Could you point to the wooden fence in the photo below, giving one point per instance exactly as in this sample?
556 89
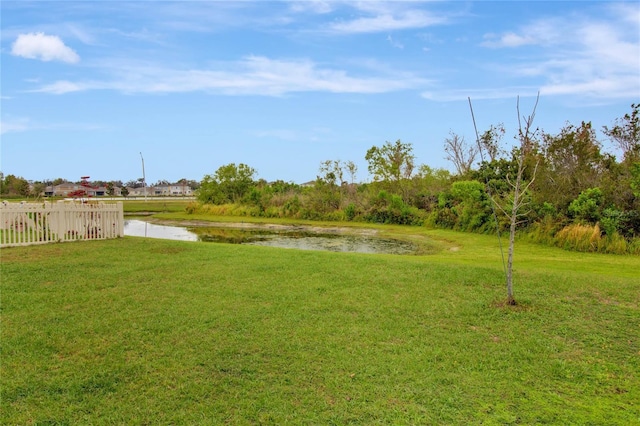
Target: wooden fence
23 224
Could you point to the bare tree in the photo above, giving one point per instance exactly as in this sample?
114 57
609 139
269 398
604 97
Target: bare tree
460 153
518 184
626 134
490 141
519 189
332 172
352 168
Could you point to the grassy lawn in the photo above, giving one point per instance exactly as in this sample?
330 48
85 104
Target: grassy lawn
141 331
133 206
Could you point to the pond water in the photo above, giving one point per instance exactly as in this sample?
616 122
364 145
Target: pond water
296 239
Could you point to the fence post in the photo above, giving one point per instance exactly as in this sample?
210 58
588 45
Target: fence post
120 219
59 220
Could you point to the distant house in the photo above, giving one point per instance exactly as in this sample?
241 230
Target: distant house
64 189
175 190
139 192
172 190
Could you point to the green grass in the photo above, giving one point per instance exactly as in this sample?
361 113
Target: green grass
137 331
154 206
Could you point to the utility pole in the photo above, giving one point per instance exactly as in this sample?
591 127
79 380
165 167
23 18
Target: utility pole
144 179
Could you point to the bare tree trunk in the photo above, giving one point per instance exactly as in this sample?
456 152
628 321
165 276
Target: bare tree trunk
519 187
519 191
512 233
459 153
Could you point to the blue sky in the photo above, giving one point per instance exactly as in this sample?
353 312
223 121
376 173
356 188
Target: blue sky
284 85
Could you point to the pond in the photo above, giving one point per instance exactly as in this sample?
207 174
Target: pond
285 237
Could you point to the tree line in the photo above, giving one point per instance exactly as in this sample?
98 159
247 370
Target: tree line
562 189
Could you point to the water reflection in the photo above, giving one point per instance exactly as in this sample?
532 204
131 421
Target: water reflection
140 228
301 240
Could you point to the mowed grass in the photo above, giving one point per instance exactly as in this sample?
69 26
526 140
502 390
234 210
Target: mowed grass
154 205
142 331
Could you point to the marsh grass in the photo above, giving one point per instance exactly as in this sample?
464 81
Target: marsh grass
589 238
142 331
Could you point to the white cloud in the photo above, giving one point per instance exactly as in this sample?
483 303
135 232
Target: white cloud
394 43
43 47
507 40
313 6
388 21
594 87
478 94
81 34
253 75
629 12
62 87
14 125
577 55
540 32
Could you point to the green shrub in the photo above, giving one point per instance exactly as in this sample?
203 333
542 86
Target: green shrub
350 212
391 209
610 221
587 207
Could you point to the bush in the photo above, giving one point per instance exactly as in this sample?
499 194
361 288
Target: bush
391 209
350 212
610 221
192 208
543 231
629 224
587 207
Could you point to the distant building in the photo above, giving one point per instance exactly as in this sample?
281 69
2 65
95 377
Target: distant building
139 192
172 190
64 189
175 190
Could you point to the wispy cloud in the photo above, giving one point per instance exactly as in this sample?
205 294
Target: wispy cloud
572 55
388 21
394 43
43 47
14 125
82 34
253 75
23 124
62 87
477 94
313 6
316 134
540 32
143 35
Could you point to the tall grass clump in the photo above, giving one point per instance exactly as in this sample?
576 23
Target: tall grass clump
542 232
590 238
579 237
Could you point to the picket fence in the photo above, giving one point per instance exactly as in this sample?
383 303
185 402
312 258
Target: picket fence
23 224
